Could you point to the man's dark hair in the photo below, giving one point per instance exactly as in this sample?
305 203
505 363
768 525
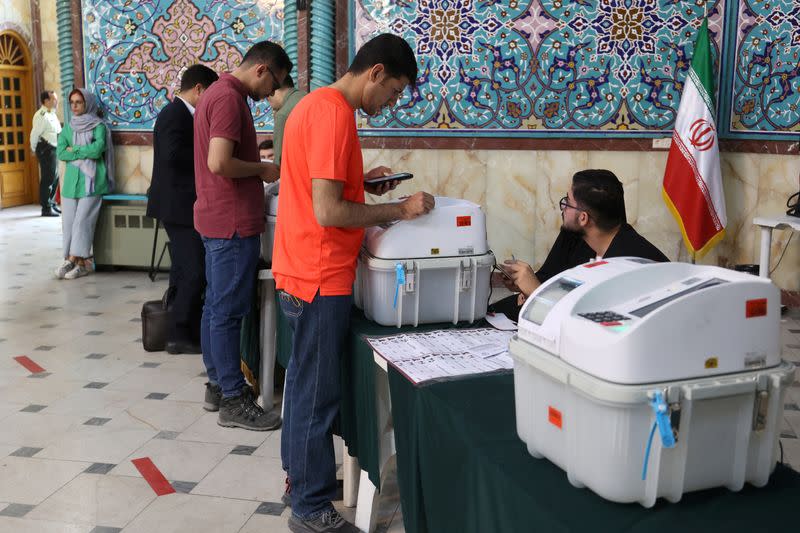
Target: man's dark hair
45 96
197 74
288 83
265 145
600 193
267 52
392 52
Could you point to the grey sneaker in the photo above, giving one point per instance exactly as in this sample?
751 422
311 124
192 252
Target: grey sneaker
243 412
78 272
213 397
65 267
328 522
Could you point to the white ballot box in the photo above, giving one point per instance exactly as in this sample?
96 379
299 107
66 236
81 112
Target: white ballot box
271 216
644 380
435 268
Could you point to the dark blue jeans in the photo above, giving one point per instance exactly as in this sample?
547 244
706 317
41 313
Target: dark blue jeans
311 398
230 276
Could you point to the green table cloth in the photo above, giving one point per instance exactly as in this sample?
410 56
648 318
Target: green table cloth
462 468
358 424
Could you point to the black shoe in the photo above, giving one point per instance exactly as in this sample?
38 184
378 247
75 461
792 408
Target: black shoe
243 412
328 522
55 209
49 213
213 397
176 347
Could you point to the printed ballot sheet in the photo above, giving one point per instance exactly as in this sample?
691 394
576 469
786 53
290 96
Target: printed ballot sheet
445 353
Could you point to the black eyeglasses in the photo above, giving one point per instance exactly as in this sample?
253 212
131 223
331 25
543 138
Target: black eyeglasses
564 203
274 77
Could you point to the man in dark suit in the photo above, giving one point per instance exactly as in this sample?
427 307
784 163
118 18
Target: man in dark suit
171 200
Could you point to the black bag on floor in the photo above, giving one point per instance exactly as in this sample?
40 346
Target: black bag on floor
155 322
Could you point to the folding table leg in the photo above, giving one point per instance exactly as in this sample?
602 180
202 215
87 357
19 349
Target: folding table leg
351 472
367 508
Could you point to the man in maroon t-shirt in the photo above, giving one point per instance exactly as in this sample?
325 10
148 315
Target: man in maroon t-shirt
229 215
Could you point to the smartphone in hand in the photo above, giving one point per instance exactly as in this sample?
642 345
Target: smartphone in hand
503 271
400 176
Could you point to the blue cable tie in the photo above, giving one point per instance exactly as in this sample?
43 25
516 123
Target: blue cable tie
661 411
400 280
659 406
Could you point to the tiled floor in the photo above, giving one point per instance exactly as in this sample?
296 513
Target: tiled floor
69 433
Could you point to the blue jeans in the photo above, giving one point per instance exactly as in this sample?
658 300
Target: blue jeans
311 398
230 276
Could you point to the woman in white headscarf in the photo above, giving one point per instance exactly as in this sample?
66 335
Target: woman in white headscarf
85 145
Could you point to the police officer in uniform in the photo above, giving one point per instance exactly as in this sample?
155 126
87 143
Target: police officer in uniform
44 135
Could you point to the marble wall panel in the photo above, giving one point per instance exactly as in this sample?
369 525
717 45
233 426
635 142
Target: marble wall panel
779 179
16 15
133 176
51 69
551 178
511 203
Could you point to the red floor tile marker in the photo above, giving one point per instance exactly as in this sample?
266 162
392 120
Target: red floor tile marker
26 361
153 476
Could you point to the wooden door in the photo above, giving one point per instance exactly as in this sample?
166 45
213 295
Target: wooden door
18 167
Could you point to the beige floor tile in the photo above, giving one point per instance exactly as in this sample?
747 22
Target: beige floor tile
37 430
166 415
97 444
245 477
271 447
39 391
191 364
193 391
206 429
95 403
187 513
396 525
6 449
260 523
96 500
31 480
25 525
177 460
106 370
150 380
9 409
106 343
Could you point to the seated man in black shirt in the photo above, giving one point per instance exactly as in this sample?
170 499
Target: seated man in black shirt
593 226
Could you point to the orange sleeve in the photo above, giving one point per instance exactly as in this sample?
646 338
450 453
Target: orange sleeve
328 143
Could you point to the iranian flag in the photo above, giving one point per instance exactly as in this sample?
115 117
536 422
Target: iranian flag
692 180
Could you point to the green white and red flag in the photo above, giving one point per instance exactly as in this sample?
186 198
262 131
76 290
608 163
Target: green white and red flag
692 179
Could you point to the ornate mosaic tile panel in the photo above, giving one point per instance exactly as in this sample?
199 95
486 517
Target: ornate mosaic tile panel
134 51
494 66
766 78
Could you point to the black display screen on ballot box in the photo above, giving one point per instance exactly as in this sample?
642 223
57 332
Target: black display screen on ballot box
545 300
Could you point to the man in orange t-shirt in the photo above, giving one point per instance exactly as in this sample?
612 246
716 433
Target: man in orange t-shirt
317 240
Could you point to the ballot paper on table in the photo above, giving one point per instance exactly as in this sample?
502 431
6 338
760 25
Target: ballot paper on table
501 321
447 353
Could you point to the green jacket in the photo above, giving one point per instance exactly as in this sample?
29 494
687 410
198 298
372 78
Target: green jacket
73 184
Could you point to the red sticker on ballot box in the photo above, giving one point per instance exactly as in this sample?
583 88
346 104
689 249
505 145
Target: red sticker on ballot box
463 221
595 264
554 416
755 308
